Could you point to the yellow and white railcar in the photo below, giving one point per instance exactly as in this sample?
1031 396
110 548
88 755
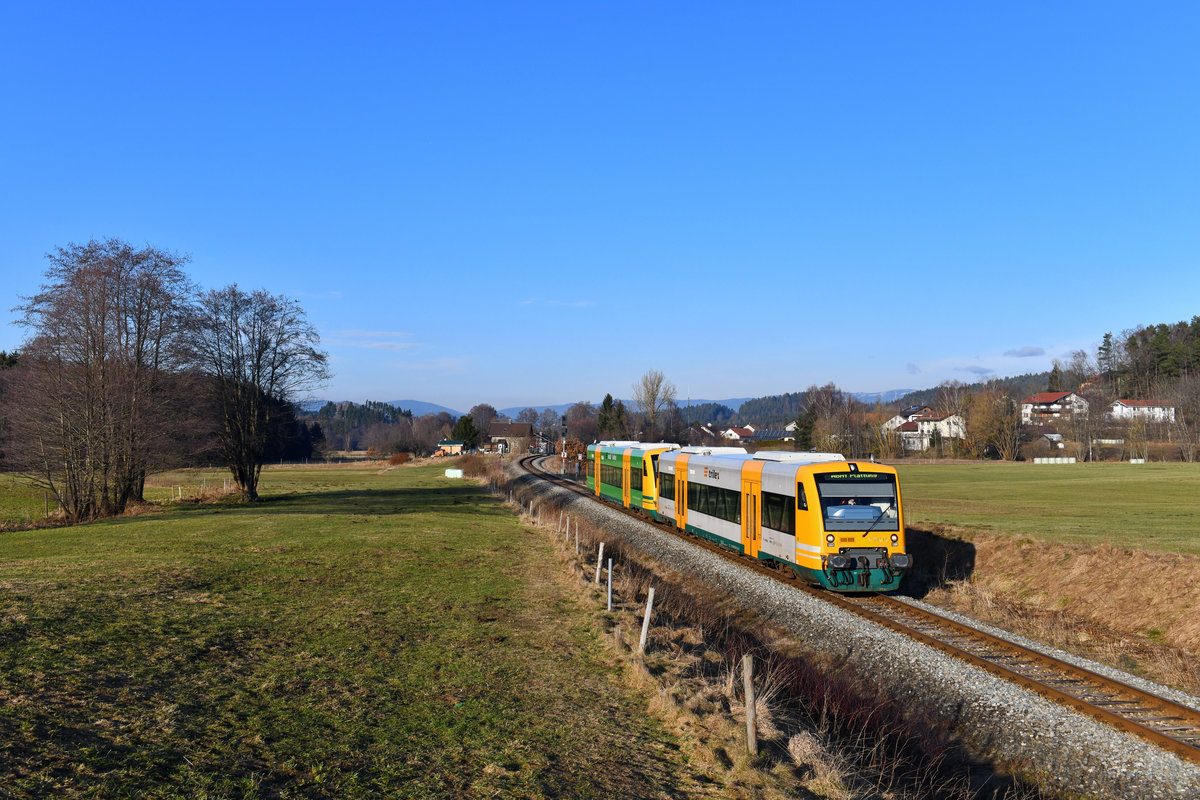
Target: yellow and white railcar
835 522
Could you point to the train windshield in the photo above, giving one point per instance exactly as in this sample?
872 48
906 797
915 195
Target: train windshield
858 501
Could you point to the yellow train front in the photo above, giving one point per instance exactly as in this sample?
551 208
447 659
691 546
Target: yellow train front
837 523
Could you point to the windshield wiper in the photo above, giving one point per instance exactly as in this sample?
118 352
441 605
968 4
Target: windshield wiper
879 518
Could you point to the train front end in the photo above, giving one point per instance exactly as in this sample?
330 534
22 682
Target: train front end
861 529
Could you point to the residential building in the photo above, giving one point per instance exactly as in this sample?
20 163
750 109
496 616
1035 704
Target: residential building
907 415
1143 409
1045 406
917 434
505 436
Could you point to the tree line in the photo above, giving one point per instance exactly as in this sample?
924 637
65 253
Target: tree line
128 369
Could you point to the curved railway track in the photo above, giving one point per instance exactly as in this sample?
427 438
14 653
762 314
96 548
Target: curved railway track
1165 723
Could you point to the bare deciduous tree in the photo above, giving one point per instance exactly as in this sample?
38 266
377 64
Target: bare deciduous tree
994 424
652 394
581 422
483 415
107 335
550 423
258 351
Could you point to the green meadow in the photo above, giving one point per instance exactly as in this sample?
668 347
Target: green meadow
359 633
1149 506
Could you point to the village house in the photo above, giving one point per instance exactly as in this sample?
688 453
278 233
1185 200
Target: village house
1045 406
507 437
1126 410
773 435
917 434
909 414
738 433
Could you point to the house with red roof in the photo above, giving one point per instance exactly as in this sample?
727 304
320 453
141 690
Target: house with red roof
1043 406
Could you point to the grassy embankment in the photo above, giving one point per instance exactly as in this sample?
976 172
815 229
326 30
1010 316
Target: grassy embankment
1102 559
332 641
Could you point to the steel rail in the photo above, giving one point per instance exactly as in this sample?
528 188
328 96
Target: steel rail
1165 723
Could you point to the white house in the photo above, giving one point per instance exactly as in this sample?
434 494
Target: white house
1145 409
917 434
907 415
1051 405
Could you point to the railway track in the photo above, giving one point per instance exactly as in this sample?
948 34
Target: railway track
1164 723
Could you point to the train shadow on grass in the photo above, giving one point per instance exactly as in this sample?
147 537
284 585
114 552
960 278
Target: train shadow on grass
938 560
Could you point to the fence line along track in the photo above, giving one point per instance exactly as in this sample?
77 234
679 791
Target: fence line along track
1165 723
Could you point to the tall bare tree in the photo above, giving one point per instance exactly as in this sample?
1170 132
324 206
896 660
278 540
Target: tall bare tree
581 421
258 351
106 342
994 422
652 394
483 415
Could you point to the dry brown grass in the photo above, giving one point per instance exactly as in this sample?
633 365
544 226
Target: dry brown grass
1133 609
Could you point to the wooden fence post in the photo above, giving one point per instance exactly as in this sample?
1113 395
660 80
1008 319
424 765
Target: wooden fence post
751 713
599 559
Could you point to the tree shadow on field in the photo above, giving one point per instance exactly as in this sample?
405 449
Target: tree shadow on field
939 558
461 498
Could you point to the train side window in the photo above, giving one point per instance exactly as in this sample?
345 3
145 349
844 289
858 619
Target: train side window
801 499
666 486
778 513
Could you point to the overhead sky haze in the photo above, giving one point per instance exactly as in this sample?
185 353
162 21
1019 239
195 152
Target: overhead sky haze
535 203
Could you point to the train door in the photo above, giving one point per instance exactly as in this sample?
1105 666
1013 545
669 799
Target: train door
597 466
626 481
681 492
752 508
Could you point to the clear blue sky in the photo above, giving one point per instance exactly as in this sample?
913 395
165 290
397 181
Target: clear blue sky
751 198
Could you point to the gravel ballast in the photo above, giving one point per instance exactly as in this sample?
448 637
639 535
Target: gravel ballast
994 718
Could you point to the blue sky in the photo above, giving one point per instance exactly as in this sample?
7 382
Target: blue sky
752 198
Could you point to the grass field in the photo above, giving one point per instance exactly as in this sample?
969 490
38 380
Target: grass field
1147 506
360 633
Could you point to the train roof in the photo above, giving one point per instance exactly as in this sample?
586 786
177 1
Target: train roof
790 457
713 451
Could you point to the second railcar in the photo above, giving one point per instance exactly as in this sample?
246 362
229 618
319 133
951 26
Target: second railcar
626 472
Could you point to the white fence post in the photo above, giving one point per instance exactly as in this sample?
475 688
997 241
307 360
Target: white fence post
610 584
646 621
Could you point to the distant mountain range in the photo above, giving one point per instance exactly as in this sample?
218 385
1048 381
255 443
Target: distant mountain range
420 407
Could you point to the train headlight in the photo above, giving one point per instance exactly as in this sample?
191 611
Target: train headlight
895 538
829 539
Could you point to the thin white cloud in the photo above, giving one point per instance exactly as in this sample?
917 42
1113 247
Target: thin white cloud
371 340
1026 352
912 369
976 370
